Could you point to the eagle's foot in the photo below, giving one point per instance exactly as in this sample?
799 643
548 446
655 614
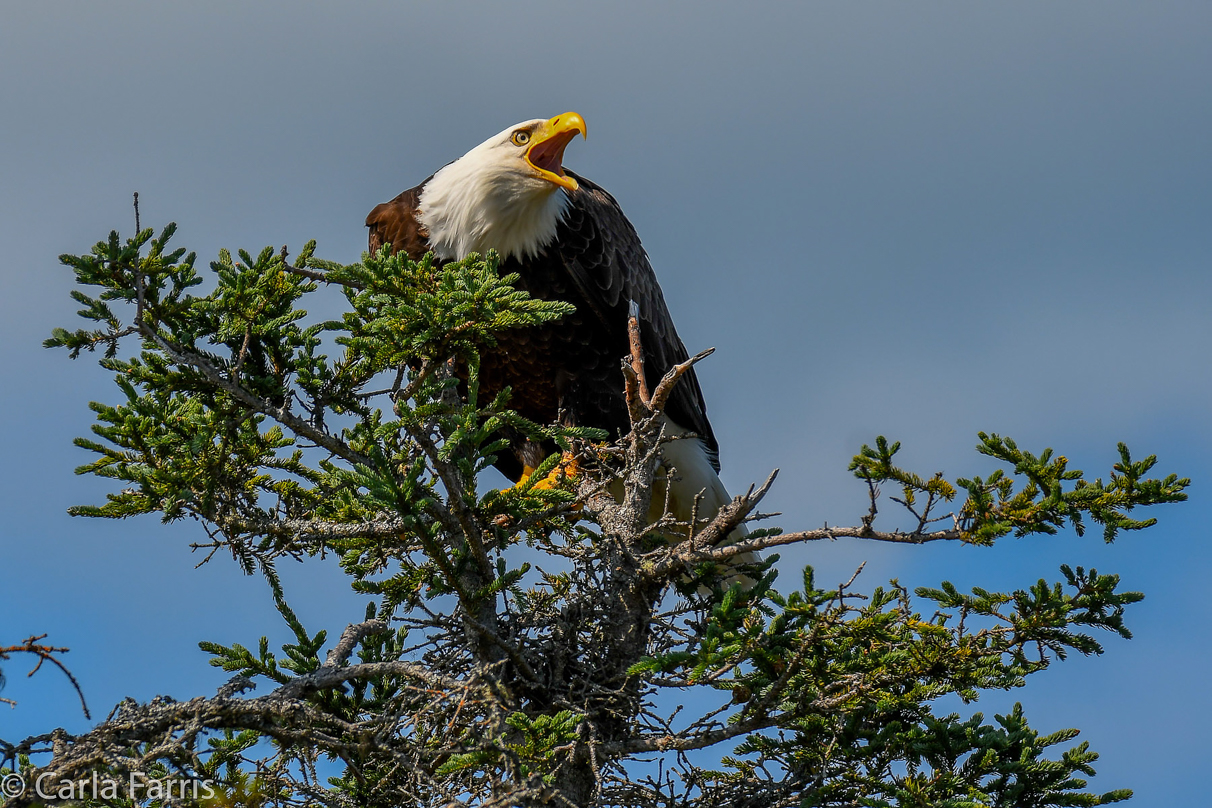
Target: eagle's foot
566 469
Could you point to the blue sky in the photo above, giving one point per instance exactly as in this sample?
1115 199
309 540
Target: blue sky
912 219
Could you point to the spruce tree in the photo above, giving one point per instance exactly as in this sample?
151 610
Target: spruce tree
629 665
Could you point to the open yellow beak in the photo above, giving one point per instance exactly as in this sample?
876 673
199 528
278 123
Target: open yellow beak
546 152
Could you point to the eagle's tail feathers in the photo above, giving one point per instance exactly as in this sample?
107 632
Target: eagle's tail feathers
693 476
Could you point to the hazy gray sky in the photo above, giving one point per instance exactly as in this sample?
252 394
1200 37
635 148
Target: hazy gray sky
916 219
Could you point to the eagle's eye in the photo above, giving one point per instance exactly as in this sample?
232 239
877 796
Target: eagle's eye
520 138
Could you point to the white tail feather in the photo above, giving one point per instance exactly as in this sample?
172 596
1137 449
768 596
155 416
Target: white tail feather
692 476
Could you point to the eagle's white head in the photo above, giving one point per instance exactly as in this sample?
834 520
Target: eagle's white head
506 194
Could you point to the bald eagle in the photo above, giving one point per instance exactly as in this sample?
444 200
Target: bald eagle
568 239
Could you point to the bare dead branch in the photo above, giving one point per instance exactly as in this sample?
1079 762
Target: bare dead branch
637 351
665 388
45 653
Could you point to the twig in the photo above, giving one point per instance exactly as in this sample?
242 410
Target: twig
665 388
320 277
45 653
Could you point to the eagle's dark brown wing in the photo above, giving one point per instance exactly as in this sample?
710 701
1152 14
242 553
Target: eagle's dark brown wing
395 223
572 366
602 253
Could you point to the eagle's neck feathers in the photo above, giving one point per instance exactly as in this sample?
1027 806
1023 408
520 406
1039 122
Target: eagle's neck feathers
478 202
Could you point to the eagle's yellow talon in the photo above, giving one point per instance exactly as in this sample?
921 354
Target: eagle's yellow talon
566 469
526 472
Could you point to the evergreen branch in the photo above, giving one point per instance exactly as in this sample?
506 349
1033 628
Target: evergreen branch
318 531
993 508
504 683
279 413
